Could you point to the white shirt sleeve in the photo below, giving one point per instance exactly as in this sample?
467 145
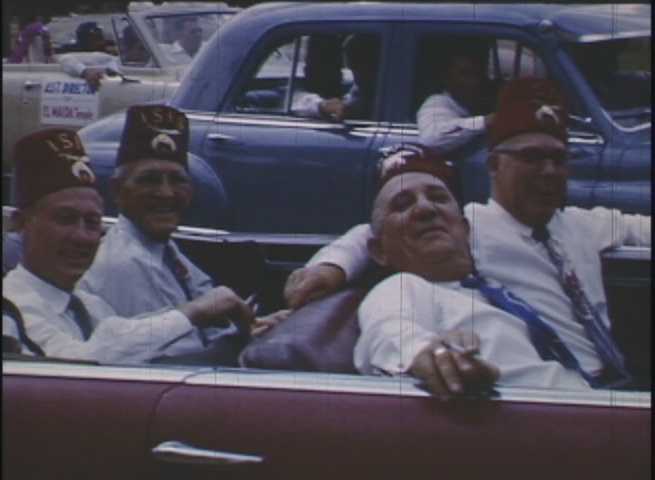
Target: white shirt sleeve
350 252
440 124
306 104
612 228
75 63
114 340
395 325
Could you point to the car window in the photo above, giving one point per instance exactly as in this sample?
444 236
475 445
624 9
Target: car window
505 59
132 49
619 73
180 37
297 74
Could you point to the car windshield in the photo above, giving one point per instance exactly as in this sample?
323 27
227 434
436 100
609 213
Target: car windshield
180 37
619 72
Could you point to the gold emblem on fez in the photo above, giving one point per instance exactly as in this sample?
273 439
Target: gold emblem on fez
545 112
80 168
162 143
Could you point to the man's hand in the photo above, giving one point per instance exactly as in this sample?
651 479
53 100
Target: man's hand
93 77
448 367
264 324
216 308
332 109
311 283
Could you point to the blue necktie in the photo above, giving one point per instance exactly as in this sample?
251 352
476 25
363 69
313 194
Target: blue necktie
81 316
543 337
584 311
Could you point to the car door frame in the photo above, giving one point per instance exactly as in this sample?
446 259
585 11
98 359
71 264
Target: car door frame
374 130
330 424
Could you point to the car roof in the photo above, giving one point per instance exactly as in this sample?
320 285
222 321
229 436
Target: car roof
581 22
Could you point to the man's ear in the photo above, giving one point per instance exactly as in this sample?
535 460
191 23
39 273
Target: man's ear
376 251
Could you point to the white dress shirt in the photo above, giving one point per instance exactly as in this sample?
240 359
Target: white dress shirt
50 324
404 313
75 63
504 251
444 123
129 273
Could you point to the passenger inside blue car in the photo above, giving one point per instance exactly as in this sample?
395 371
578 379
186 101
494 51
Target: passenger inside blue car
361 54
323 77
462 112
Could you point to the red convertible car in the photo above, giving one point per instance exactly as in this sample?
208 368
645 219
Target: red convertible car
72 420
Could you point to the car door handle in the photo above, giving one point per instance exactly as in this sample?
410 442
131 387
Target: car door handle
219 137
178 452
28 85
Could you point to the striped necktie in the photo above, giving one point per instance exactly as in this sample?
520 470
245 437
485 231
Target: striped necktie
80 315
584 311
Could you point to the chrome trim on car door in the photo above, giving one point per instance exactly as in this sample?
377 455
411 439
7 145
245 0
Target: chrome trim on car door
178 452
405 386
314 382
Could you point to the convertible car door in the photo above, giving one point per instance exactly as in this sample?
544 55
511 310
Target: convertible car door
262 425
76 422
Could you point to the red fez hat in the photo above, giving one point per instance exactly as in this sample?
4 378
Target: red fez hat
154 131
48 161
410 157
527 105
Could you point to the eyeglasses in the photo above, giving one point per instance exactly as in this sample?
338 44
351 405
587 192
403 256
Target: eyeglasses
536 156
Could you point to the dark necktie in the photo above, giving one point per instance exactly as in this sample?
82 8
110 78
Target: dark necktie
81 316
584 311
181 274
179 270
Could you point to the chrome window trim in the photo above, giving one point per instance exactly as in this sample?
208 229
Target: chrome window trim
298 122
313 382
600 37
98 372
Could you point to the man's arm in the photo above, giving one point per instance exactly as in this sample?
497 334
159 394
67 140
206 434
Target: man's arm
402 332
330 268
90 66
612 228
136 340
441 125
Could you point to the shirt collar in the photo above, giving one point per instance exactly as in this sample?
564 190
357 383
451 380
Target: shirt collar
55 297
524 230
155 247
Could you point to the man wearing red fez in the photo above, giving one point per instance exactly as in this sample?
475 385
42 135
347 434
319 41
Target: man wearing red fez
59 215
139 267
524 239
